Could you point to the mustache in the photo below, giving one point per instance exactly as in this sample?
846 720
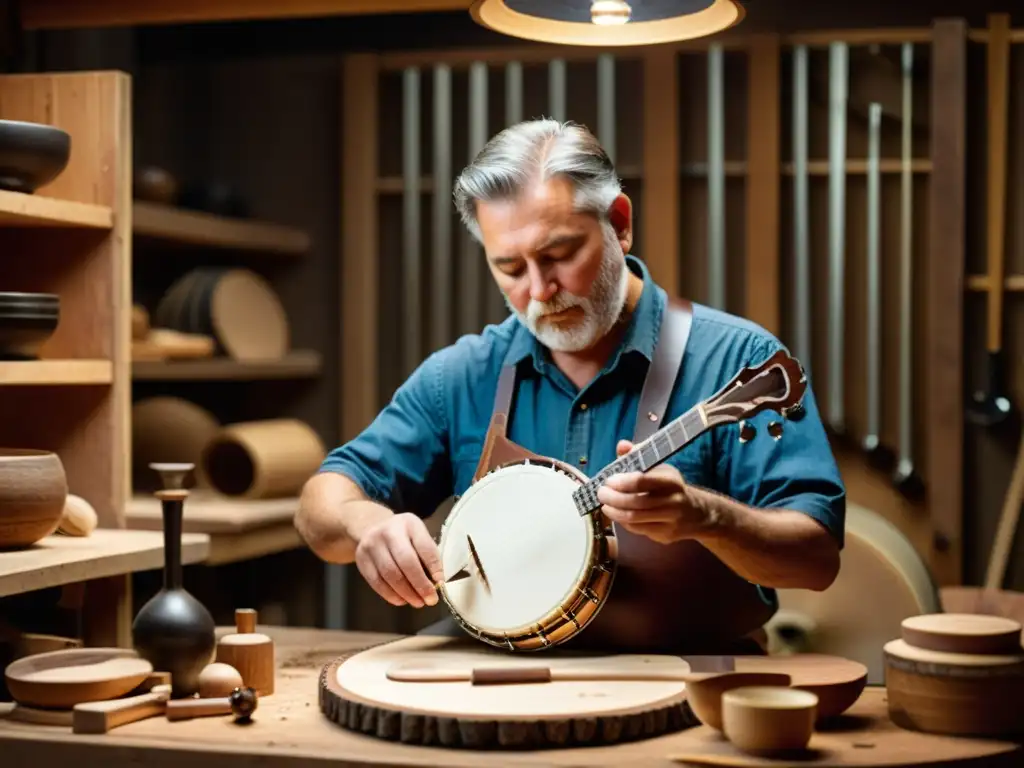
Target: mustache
561 302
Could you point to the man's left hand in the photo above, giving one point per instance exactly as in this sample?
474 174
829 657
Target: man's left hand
658 504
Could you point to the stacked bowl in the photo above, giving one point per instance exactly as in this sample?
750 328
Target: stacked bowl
26 321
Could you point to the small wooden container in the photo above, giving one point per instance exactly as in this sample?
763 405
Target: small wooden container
769 719
250 652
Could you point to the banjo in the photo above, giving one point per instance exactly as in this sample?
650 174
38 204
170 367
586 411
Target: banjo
529 558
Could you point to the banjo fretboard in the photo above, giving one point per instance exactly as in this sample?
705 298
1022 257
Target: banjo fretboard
644 456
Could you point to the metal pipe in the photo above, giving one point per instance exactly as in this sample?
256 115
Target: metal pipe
716 178
441 258
411 231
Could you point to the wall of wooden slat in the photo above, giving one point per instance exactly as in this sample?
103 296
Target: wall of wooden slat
707 182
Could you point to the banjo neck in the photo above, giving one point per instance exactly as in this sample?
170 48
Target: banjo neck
646 455
777 384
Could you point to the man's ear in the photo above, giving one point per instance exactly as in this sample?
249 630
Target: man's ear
620 214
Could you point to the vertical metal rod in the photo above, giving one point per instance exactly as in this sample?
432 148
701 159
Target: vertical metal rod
838 63
802 324
906 464
411 266
471 298
873 280
606 103
441 258
513 93
716 178
556 89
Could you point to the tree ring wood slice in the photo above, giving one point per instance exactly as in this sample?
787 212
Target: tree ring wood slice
355 693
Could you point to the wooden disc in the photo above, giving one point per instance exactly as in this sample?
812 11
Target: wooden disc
878 560
963 633
247 317
356 694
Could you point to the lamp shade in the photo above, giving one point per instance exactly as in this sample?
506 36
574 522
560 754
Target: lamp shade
607 22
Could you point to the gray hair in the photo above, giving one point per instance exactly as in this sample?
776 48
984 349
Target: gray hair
537 150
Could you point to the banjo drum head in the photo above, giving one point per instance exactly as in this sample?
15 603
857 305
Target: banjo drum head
533 546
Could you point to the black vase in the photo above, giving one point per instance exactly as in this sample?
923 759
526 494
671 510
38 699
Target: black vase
174 631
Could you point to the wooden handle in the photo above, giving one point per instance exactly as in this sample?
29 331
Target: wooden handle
186 709
494 675
998 66
101 716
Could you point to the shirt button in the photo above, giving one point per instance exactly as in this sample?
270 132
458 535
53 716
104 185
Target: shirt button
583 406
583 459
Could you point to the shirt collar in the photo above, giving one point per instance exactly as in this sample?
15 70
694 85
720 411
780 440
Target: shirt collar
641 335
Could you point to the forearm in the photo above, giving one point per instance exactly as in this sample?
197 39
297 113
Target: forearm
776 548
333 514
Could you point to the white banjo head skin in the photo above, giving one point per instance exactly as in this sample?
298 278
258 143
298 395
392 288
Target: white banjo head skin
546 569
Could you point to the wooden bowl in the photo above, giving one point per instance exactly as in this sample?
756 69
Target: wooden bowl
769 719
61 679
31 155
26 321
33 489
704 691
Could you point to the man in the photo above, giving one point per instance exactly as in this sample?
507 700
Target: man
544 201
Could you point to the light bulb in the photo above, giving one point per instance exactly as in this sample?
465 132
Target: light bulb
607 13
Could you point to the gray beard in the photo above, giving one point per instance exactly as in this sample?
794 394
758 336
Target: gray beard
601 308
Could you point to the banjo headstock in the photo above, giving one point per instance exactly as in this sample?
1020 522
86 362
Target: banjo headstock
778 384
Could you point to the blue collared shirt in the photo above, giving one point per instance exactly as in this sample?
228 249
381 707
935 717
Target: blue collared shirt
425 444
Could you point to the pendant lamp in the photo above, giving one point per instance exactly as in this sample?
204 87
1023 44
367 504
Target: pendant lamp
607 22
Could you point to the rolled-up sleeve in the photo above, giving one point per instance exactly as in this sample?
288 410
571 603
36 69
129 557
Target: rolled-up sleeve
402 458
798 471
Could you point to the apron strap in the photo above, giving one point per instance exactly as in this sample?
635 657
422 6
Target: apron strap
676 321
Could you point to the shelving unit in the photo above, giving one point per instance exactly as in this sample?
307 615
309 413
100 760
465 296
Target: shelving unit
72 238
238 529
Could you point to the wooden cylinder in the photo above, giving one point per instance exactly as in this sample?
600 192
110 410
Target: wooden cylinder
261 459
250 652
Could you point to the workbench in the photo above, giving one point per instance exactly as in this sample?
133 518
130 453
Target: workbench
288 730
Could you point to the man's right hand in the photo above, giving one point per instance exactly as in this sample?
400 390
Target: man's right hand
396 556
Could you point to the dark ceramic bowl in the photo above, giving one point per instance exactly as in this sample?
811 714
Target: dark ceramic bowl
26 321
31 155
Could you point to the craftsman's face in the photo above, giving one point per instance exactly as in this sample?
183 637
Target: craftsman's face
561 271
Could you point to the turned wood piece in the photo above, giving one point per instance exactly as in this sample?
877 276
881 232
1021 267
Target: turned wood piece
957 694
241 703
79 517
250 652
963 633
765 720
218 680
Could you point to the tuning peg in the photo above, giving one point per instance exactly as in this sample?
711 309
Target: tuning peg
747 432
794 412
775 429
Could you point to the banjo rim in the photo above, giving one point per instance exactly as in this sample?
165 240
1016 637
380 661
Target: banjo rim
580 607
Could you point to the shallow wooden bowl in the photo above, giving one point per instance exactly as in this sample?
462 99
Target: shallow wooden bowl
61 679
769 719
33 489
704 691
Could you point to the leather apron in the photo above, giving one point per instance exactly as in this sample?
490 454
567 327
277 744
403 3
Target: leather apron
674 598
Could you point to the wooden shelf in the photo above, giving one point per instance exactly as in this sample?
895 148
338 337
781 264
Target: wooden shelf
1012 283
239 529
296 365
195 228
21 210
59 560
56 372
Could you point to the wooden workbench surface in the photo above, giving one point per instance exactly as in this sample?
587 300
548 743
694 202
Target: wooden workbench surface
289 730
